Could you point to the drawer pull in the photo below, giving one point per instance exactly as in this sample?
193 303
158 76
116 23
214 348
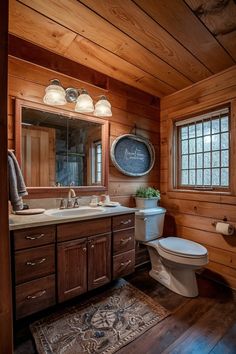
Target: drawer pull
125 240
126 222
85 249
125 264
36 295
36 237
33 263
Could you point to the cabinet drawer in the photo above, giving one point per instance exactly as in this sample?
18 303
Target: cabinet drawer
123 240
71 231
32 237
123 221
123 264
34 263
35 296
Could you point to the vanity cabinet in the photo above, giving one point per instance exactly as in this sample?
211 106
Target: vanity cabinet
34 263
35 236
83 263
99 261
123 245
71 269
35 296
59 262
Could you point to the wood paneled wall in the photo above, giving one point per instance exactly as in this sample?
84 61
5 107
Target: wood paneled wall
28 81
6 327
192 213
130 107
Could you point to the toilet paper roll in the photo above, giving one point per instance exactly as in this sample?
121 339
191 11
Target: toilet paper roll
224 228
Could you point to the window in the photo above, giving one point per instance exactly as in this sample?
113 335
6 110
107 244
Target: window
97 162
203 151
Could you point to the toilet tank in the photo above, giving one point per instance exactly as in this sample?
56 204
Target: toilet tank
149 224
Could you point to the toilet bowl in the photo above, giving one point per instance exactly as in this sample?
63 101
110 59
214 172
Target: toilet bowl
173 259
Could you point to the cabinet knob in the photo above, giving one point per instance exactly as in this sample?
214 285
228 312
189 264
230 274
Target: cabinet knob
125 222
35 237
125 240
92 246
85 249
36 262
36 295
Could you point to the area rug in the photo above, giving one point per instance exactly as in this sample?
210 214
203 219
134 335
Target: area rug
102 325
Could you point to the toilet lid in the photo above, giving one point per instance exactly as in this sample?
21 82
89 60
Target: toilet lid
151 211
182 247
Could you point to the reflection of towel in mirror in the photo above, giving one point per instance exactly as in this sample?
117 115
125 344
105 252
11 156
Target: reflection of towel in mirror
17 188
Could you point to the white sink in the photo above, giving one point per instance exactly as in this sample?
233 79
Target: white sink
74 213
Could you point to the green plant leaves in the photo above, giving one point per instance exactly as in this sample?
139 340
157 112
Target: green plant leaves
147 192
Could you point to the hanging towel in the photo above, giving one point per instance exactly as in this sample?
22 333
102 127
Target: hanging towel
17 188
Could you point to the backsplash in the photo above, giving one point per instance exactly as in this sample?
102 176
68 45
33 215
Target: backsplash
52 203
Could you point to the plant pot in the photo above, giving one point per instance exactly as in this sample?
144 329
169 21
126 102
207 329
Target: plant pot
146 203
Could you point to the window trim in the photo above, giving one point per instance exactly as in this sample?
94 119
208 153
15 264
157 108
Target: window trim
175 163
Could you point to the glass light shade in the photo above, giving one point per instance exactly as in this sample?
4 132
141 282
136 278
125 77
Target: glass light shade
103 108
55 95
84 103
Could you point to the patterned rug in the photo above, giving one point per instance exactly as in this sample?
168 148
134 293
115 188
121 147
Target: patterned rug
101 326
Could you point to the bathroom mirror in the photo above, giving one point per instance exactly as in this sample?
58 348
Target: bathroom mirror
58 148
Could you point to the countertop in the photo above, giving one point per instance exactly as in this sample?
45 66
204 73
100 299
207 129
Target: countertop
17 222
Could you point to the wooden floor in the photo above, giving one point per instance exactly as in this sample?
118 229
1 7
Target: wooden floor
206 324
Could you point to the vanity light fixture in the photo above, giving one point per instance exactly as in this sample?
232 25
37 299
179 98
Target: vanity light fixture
84 103
103 108
55 94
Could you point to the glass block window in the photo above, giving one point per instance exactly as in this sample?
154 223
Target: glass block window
203 151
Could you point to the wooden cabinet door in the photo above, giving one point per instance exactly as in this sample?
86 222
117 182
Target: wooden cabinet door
71 269
99 260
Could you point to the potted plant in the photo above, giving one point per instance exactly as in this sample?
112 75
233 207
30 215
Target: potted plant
147 197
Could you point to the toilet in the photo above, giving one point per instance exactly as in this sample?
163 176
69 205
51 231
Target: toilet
173 259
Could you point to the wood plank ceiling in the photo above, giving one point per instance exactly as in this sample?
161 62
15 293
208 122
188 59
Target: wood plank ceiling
158 46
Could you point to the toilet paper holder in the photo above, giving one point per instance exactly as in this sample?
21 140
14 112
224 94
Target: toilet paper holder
223 227
223 220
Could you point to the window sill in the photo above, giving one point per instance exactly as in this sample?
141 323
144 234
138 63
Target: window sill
219 197
197 191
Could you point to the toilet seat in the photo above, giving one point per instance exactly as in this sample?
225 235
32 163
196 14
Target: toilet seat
198 258
182 247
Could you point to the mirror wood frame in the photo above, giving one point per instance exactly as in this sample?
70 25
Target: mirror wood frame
47 192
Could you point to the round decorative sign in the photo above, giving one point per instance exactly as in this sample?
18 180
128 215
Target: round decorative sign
132 155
